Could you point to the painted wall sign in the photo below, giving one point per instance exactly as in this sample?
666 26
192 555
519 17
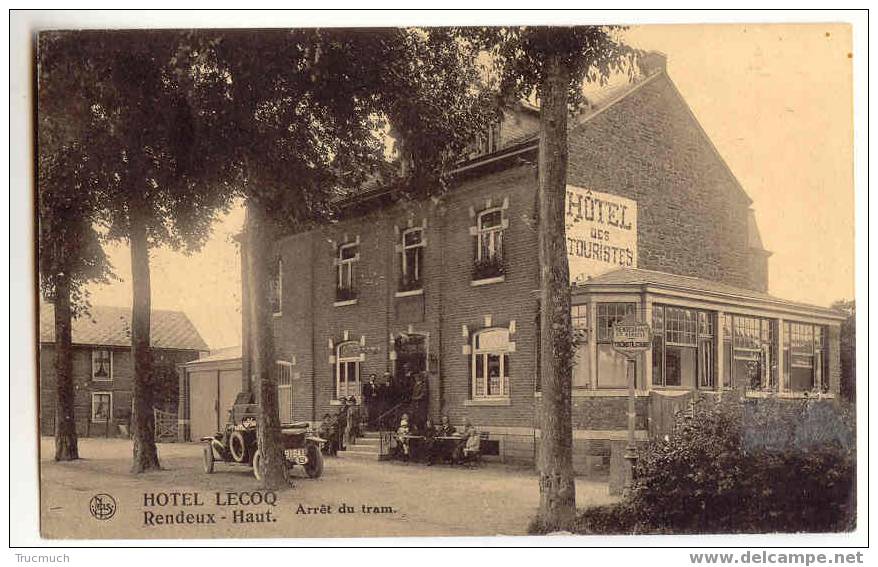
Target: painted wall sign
601 232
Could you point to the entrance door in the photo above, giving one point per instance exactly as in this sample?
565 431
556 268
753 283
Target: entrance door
411 358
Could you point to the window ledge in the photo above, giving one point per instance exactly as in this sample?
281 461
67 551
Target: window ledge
488 402
409 293
790 395
676 390
486 281
606 393
345 302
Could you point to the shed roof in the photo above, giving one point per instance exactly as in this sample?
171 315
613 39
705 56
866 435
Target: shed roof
226 354
640 277
111 326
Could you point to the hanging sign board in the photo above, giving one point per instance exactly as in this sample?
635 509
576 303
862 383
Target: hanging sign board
601 231
631 338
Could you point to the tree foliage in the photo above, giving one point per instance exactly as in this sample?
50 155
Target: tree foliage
518 57
129 109
303 114
68 183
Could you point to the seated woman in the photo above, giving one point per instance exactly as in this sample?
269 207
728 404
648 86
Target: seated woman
469 446
402 437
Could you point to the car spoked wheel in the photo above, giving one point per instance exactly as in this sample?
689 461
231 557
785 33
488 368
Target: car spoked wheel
257 465
314 466
208 458
238 447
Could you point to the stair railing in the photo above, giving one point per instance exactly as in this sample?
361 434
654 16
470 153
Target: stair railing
380 421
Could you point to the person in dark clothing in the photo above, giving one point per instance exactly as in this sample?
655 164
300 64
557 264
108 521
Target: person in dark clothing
445 429
341 420
420 399
370 400
382 403
354 417
403 386
429 434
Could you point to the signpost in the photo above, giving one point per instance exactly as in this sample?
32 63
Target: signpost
630 339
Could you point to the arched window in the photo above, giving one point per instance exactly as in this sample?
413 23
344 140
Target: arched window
490 364
347 370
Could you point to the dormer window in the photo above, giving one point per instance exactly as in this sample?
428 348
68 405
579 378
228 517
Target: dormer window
487 142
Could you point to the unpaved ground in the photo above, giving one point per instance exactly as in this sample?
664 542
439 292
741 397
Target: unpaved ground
426 501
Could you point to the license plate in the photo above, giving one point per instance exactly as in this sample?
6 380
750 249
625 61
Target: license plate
298 456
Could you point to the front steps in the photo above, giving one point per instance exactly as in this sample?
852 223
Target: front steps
367 447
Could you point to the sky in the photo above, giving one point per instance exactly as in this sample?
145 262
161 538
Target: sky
776 101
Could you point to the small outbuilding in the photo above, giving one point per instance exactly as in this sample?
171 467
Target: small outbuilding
208 387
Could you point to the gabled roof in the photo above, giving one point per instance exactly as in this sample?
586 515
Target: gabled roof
637 277
111 326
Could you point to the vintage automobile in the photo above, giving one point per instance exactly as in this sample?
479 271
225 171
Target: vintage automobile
237 444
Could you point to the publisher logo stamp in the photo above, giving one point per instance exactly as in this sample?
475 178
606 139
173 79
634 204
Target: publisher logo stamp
102 506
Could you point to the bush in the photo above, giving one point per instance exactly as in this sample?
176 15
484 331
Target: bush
749 466
618 518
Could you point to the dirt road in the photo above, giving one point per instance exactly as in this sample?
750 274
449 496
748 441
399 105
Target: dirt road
352 498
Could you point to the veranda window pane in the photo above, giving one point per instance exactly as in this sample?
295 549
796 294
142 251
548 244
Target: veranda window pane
582 366
611 368
706 364
680 366
658 360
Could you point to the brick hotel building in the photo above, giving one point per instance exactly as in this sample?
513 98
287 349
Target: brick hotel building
658 227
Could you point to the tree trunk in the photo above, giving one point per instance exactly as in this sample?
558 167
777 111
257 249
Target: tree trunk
146 456
66 445
259 242
557 489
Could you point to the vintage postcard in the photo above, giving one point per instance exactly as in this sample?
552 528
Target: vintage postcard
445 281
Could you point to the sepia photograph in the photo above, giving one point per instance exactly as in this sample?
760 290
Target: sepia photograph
308 281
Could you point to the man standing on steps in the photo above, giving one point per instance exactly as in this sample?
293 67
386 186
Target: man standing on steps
420 400
370 400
